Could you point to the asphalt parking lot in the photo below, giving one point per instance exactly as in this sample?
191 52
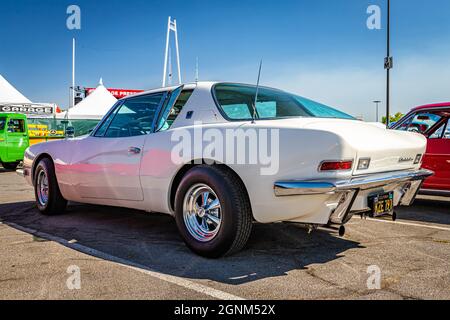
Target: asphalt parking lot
126 254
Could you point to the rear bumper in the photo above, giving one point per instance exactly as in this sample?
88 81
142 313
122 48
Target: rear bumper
405 183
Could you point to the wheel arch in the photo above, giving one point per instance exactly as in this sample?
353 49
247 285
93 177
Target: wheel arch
36 162
195 163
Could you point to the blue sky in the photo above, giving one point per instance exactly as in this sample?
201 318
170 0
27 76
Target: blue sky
321 49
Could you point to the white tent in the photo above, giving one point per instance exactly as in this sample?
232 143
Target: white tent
9 94
94 106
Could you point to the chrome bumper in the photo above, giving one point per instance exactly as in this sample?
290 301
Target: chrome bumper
409 182
293 188
22 172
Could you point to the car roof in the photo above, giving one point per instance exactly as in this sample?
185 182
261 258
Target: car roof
442 105
187 86
191 86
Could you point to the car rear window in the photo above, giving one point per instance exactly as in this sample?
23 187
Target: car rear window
236 103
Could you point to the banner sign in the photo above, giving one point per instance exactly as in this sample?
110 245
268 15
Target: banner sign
28 109
117 93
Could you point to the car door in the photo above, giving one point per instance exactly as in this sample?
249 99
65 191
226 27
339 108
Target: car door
437 158
16 139
106 164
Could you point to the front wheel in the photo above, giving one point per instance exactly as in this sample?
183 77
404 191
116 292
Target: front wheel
10 165
48 196
213 211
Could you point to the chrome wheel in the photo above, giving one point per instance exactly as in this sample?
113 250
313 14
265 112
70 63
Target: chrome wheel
202 213
42 188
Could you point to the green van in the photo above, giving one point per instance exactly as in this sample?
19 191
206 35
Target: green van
14 139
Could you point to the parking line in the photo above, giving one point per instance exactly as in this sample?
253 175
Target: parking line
410 224
214 293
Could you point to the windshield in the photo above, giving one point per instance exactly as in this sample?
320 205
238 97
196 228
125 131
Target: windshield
236 101
2 123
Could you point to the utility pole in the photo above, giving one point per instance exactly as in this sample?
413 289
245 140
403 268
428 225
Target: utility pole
388 62
73 72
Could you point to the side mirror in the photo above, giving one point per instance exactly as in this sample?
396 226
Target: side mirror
70 132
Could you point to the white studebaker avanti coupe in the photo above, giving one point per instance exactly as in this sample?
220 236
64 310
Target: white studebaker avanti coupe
325 166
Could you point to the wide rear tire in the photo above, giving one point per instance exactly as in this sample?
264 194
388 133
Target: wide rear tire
213 212
49 199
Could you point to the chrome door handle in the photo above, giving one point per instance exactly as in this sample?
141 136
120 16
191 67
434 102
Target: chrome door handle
134 150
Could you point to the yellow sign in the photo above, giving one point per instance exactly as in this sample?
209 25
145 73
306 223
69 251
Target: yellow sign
41 131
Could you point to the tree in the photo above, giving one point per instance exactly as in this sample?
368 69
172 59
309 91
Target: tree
393 118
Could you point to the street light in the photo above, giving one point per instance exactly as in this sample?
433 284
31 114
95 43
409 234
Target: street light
377 102
388 62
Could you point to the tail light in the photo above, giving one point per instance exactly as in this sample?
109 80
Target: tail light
336 165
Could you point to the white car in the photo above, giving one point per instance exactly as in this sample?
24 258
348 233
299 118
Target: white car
325 166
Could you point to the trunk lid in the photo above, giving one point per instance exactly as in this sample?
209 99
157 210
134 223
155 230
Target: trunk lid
388 150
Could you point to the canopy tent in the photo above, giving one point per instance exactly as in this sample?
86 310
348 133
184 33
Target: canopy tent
93 107
10 95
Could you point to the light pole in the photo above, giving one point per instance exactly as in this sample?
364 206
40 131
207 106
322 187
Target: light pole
388 62
377 103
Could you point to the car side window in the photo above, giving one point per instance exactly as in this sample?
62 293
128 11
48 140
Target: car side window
421 122
2 123
105 124
178 100
135 116
16 126
447 130
439 132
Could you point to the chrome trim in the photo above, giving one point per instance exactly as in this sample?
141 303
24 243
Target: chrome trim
202 213
292 188
295 187
342 214
42 188
359 162
408 181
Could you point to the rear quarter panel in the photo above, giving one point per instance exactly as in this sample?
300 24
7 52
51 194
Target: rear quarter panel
298 156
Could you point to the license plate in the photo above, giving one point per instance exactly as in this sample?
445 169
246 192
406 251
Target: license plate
382 204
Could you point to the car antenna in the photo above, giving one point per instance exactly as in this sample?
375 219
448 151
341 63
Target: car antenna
257 91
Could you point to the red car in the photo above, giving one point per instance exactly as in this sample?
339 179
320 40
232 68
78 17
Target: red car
434 122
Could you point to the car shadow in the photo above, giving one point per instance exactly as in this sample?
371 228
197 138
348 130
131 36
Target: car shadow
427 210
152 241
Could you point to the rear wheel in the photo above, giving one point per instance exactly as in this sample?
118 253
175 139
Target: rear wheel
213 211
48 196
10 165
